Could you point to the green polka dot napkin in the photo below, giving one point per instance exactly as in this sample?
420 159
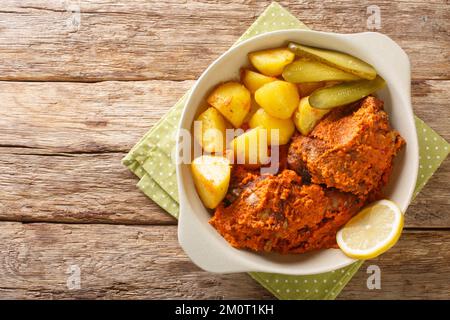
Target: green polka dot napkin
150 160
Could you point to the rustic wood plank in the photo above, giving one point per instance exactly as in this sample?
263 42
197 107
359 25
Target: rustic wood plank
86 188
61 143
140 39
96 188
113 115
431 207
416 268
115 262
83 117
430 101
122 262
57 120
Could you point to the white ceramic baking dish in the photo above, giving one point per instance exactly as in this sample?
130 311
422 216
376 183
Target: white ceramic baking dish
203 244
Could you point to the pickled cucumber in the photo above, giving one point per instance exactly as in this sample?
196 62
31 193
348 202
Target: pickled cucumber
306 70
336 59
344 93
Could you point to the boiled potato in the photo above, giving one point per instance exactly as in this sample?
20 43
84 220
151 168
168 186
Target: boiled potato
306 117
271 62
213 130
251 147
278 98
285 127
232 100
253 108
254 80
306 88
211 176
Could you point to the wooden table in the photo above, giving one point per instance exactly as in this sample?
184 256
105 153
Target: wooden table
74 100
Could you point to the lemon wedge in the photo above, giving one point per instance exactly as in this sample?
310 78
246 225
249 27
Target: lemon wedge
372 231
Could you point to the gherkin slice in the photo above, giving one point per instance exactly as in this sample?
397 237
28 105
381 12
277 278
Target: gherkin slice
344 93
336 59
306 70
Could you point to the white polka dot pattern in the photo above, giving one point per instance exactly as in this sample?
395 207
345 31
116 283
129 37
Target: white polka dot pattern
433 149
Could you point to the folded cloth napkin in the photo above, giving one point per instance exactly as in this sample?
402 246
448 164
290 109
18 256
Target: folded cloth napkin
150 160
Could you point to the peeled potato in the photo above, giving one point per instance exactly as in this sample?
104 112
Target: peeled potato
232 100
211 178
278 98
285 127
250 148
213 131
254 80
271 62
306 117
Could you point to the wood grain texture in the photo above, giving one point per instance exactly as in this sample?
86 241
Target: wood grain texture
61 142
111 116
96 188
416 268
431 207
83 188
83 117
118 262
147 262
139 39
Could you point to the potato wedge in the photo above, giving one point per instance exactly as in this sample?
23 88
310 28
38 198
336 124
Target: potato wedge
232 100
278 98
344 93
253 80
211 177
306 70
271 62
306 88
336 59
251 147
285 127
306 117
212 130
